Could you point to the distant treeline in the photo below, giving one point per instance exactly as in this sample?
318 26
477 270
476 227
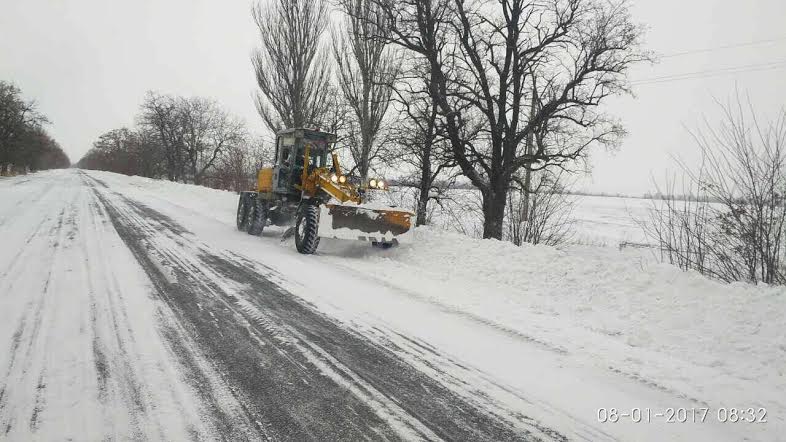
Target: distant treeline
646 196
24 143
186 139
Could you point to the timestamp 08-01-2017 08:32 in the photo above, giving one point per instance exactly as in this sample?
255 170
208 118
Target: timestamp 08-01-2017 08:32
683 415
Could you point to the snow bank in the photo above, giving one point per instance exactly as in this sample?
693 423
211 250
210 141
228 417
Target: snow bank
617 309
212 203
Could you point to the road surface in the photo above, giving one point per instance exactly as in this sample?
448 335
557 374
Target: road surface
125 316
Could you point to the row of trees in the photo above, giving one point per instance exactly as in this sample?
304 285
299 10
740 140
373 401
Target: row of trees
495 91
183 139
24 143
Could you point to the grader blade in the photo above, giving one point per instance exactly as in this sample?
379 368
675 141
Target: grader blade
357 222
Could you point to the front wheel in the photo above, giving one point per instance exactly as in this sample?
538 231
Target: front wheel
258 217
306 229
242 212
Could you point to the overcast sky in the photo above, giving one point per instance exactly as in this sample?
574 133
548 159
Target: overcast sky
88 64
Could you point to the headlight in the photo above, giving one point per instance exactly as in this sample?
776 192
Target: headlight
342 179
334 178
380 184
372 183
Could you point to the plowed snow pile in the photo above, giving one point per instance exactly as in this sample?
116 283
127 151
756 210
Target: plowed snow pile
618 308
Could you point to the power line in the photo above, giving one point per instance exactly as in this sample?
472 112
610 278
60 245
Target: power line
712 73
731 46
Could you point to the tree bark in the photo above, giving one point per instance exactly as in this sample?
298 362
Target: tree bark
494 213
426 179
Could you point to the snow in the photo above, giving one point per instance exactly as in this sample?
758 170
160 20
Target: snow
596 220
610 221
612 308
79 327
550 333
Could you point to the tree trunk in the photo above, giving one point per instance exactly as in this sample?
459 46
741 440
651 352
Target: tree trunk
365 129
425 184
494 213
422 206
195 175
365 149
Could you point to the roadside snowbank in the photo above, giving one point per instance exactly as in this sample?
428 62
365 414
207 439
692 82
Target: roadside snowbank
737 328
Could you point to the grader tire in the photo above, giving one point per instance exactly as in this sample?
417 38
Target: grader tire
242 212
257 217
306 230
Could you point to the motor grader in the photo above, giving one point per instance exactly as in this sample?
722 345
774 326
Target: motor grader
307 185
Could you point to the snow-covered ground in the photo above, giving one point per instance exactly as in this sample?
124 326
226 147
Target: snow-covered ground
610 221
594 220
537 336
81 353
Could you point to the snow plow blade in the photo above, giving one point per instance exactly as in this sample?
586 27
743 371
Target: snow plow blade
380 225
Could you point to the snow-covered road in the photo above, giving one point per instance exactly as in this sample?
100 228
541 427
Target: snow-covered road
128 313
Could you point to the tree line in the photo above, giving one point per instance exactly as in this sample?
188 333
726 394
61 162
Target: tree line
25 144
186 139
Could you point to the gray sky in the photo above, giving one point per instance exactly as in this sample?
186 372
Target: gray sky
88 64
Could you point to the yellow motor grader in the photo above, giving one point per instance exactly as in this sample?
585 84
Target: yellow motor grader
306 184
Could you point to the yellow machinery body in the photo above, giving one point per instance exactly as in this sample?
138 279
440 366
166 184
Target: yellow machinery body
342 211
265 180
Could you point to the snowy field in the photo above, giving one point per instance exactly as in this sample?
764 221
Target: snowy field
595 220
534 339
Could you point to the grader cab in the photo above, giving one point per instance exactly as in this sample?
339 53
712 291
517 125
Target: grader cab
307 185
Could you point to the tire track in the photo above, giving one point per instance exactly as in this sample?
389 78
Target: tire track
82 356
267 378
27 342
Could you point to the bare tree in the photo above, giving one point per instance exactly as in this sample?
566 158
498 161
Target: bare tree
148 153
421 145
683 227
179 137
338 116
159 114
485 60
366 70
124 151
190 132
207 131
233 169
19 121
238 165
732 224
291 69
542 213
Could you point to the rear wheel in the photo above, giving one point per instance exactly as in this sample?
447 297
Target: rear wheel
306 229
257 217
242 211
